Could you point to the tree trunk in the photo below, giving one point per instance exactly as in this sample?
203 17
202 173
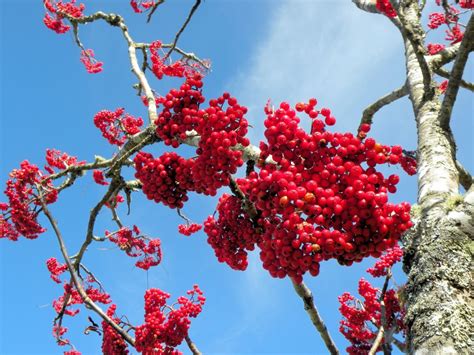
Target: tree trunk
439 249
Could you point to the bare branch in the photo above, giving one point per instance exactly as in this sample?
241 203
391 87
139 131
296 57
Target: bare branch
444 57
153 9
194 349
305 294
413 32
377 341
369 112
383 326
465 177
114 187
462 83
367 6
88 302
456 75
117 21
176 38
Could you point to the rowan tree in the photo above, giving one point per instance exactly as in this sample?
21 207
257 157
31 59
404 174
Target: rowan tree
306 194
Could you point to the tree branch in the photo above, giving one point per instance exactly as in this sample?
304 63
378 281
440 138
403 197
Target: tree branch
175 42
72 270
194 349
465 48
305 294
412 30
153 9
446 74
465 177
369 112
444 57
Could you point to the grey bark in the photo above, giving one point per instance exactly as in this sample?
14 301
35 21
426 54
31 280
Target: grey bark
439 249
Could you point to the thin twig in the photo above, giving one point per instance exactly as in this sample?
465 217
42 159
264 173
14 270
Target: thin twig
383 326
88 302
465 178
456 75
153 9
194 349
446 74
415 37
305 294
176 38
369 112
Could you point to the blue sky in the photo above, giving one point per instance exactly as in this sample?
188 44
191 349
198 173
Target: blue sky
283 50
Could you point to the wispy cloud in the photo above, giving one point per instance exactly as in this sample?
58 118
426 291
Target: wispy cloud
315 48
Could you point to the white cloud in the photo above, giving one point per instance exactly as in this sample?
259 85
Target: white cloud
315 49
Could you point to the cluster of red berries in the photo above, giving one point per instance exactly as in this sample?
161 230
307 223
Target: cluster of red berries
188 229
72 352
141 5
54 20
160 68
386 261
232 234
163 330
450 18
436 19
220 130
59 160
19 216
180 111
116 126
55 269
165 179
408 163
112 342
435 48
99 177
137 246
385 7
92 65
466 4
322 199
358 317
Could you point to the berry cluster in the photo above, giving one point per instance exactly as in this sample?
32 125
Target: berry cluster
188 229
112 342
466 4
160 68
54 19
163 330
141 5
148 250
436 19
72 297
116 126
92 65
386 261
450 17
19 216
233 234
435 48
165 179
322 199
220 130
58 160
385 7
359 316
180 111
99 177
56 269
